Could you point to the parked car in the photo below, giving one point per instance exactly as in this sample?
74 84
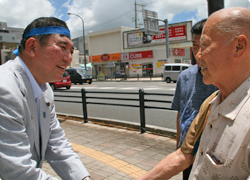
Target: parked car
79 75
119 74
172 71
65 82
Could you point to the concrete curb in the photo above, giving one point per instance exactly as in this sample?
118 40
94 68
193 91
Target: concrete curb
122 124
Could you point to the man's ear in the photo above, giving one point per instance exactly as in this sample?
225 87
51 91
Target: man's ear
30 46
241 45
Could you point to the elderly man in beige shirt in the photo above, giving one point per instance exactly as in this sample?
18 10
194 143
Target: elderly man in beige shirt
224 151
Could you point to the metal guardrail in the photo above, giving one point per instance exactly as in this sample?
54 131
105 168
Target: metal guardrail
141 99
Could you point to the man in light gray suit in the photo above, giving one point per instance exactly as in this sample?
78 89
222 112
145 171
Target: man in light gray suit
29 129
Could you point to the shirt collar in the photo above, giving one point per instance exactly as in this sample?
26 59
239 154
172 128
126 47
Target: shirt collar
231 106
38 90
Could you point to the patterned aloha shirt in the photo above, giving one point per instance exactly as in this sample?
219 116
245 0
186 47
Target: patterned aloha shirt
189 94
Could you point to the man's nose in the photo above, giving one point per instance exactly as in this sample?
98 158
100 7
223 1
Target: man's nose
196 51
67 57
198 57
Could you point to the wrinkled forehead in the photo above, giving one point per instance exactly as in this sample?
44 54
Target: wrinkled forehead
209 28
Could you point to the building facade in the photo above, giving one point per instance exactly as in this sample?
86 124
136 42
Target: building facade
135 53
9 40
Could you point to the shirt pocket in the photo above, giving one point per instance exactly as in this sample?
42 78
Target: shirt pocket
209 167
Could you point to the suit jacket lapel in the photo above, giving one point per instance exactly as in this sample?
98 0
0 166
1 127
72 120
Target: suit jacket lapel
44 124
26 88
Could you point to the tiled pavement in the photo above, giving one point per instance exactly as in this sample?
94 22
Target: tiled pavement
111 153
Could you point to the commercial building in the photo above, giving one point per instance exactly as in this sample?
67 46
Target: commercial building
135 53
9 40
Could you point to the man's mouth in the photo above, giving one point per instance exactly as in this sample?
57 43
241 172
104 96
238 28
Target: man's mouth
61 67
203 68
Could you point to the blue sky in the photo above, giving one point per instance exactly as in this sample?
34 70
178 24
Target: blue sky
184 15
104 14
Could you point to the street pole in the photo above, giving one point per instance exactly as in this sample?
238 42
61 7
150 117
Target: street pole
214 5
166 33
135 16
83 38
167 40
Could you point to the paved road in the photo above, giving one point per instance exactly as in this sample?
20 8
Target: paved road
154 117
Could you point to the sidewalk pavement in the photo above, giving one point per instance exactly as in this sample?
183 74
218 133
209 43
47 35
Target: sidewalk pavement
115 153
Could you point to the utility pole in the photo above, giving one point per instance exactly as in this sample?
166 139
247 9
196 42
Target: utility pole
136 12
135 16
83 39
214 5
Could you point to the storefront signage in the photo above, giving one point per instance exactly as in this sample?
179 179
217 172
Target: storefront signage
137 55
160 63
106 57
135 67
179 52
174 33
135 39
140 38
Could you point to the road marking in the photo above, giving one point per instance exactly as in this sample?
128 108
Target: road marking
107 88
125 167
171 89
129 88
126 88
151 88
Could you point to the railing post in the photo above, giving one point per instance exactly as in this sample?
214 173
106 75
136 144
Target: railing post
84 106
142 110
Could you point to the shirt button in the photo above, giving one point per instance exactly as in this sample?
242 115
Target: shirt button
202 153
211 126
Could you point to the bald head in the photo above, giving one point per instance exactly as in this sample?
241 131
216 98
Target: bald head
231 22
225 49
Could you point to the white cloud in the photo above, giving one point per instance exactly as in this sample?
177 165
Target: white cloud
102 14
20 13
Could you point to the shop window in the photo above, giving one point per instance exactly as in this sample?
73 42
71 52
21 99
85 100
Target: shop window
177 60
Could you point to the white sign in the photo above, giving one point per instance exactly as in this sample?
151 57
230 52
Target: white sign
125 56
111 64
135 39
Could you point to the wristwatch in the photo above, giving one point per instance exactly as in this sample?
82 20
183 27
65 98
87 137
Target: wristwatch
87 178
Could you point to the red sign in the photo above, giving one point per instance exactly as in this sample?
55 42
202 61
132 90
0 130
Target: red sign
174 33
137 55
179 52
105 57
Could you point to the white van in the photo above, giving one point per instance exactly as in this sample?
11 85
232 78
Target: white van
172 71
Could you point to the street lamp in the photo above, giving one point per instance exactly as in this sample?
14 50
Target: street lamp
82 37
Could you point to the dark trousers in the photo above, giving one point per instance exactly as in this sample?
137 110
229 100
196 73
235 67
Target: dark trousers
186 172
